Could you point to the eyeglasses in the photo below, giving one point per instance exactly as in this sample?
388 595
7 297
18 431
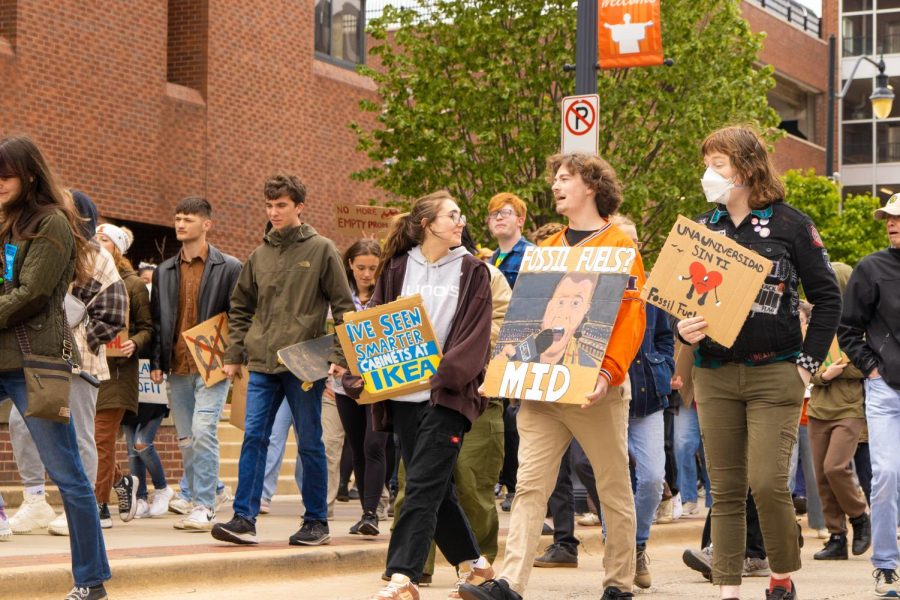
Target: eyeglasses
503 212
457 218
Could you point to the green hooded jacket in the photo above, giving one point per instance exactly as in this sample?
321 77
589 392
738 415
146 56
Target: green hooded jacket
282 297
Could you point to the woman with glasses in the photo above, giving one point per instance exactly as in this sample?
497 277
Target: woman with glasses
423 255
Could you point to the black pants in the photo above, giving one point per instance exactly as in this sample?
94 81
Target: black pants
863 465
756 547
562 505
430 439
367 447
671 463
510 447
585 473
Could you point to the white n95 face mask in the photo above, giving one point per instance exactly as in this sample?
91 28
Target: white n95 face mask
716 187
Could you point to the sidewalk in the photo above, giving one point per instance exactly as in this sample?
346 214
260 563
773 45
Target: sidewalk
145 552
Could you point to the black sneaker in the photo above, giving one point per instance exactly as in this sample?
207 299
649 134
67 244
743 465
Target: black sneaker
105 518
557 555
614 593
492 589
95 592
126 490
353 494
343 494
779 593
311 533
236 531
368 525
546 529
862 533
835 548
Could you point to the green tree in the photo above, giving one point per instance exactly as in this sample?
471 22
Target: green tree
849 232
469 96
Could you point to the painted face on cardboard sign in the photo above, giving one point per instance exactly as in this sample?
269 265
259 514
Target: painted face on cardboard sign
565 311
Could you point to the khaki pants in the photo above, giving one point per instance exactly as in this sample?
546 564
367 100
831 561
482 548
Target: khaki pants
545 431
333 438
833 447
748 421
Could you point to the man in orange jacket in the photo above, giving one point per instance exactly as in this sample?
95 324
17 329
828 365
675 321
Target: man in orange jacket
587 193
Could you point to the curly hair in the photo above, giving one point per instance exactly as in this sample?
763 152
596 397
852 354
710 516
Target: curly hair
597 174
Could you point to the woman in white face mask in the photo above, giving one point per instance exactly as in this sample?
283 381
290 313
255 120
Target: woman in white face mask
749 396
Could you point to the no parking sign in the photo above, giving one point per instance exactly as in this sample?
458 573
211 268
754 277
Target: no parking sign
580 126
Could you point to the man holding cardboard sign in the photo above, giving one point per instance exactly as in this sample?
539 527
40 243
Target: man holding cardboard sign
190 288
587 192
282 297
750 393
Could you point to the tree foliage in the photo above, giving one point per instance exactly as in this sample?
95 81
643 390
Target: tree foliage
470 91
848 229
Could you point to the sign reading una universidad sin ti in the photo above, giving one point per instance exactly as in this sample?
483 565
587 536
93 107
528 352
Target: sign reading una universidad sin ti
392 347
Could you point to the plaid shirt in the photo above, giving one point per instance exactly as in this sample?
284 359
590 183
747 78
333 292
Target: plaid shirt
106 303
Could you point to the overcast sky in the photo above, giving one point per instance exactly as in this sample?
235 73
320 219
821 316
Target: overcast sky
816 5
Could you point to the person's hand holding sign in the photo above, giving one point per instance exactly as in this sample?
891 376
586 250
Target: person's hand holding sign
336 371
128 348
599 391
691 330
231 371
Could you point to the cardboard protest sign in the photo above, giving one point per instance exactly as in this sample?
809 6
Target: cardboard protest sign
238 412
308 360
392 347
206 342
554 336
114 346
356 220
149 392
629 33
703 273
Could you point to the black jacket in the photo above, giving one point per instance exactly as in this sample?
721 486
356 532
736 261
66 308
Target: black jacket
220 274
771 332
870 326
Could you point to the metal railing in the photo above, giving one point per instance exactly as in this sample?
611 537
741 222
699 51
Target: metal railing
794 13
375 8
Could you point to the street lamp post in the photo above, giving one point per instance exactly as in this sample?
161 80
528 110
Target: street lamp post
882 99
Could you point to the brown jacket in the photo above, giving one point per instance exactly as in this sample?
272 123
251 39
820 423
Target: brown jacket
121 390
461 370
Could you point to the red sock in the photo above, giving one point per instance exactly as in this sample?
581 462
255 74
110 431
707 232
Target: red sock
784 584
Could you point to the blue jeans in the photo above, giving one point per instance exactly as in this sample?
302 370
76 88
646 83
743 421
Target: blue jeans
196 410
275 453
184 491
883 417
687 444
58 449
803 454
265 393
646 444
145 460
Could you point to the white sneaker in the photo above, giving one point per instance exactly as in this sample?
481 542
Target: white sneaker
588 520
677 508
5 531
180 506
34 513
223 498
690 509
159 505
143 509
59 526
265 506
201 519
664 514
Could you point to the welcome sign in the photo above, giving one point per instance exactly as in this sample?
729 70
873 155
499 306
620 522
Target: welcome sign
554 336
392 347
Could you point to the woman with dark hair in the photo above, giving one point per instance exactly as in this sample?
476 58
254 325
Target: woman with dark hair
367 445
421 256
749 396
42 252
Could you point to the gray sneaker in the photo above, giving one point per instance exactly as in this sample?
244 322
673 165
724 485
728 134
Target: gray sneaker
557 555
756 567
700 561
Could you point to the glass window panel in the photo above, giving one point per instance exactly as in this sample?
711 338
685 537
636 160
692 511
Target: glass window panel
323 26
857 35
855 5
346 20
888 4
856 104
856 144
888 35
888 137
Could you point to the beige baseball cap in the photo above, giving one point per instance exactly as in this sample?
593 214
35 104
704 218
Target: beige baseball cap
891 209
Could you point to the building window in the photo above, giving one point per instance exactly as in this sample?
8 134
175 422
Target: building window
340 30
856 105
8 16
857 34
857 5
888 33
857 144
796 107
187 42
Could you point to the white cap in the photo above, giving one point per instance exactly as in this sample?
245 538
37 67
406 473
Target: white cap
891 209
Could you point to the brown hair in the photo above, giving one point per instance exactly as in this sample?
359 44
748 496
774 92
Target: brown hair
363 247
503 198
39 198
407 230
745 148
597 174
279 186
545 231
123 265
194 205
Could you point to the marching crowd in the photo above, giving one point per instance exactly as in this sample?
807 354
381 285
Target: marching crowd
774 426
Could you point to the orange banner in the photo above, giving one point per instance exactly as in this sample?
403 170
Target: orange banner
630 34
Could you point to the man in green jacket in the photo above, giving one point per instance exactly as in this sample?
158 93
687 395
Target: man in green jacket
282 297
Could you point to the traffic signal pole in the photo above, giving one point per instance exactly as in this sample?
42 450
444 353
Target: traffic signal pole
586 48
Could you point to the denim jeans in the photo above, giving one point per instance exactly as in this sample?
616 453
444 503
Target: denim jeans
145 460
184 491
687 444
58 448
883 416
265 393
646 444
196 410
275 453
802 454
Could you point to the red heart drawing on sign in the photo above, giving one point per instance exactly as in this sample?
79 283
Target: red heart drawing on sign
704 281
